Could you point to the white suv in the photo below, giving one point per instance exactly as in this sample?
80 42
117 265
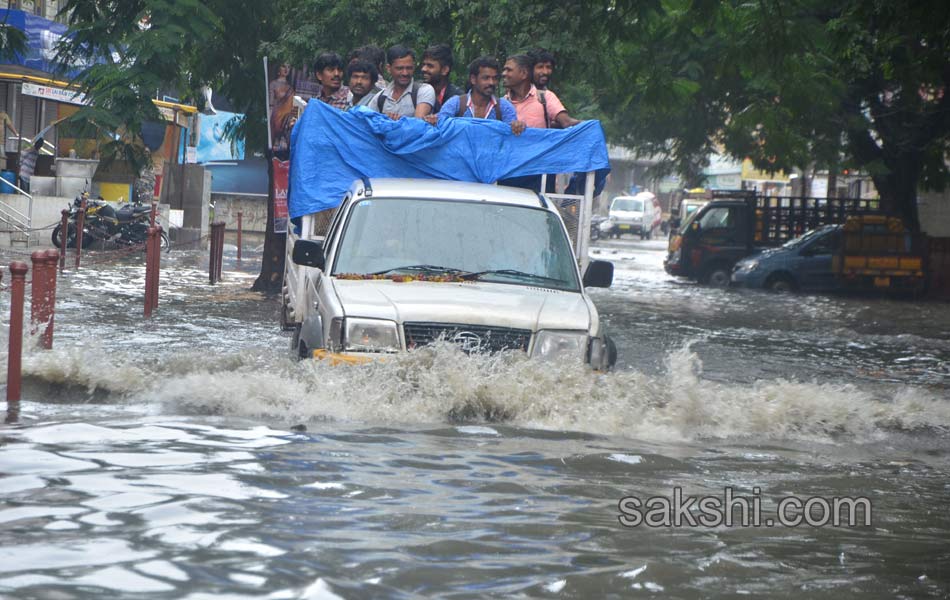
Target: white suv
408 262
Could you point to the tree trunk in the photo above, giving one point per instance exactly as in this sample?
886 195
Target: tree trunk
898 188
272 263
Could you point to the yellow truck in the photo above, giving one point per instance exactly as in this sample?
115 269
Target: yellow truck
879 252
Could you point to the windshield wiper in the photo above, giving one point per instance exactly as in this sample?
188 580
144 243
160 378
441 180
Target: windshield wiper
426 268
513 273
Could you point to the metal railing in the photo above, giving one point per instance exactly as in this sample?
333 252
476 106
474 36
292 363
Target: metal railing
21 224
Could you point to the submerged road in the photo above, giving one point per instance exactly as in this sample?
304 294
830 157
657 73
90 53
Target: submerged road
190 457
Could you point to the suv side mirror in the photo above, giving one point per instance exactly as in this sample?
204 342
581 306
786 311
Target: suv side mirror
309 253
599 273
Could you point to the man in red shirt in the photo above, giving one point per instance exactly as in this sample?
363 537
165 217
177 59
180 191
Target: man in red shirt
537 109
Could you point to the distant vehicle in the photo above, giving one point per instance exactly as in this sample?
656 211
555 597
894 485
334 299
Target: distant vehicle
803 263
738 223
869 252
640 214
688 202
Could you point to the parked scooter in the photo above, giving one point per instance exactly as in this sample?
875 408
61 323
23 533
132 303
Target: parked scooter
127 226
595 227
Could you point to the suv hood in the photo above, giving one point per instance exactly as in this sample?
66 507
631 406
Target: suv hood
476 303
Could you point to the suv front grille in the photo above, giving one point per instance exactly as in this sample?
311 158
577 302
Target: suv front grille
472 338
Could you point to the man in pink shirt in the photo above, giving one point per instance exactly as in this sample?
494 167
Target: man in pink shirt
540 109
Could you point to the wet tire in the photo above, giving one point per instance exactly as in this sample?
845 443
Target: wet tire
780 284
70 236
165 244
717 276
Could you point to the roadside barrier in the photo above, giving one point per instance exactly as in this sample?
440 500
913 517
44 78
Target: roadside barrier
216 257
18 272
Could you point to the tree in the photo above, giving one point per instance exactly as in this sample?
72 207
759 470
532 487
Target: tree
790 84
135 47
132 48
13 41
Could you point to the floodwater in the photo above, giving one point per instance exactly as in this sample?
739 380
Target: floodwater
190 457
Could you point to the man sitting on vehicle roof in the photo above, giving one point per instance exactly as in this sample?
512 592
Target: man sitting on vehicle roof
328 69
540 109
361 76
403 97
437 63
544 64
481 102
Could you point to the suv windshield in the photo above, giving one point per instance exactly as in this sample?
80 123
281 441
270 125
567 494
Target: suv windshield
491 242
629 204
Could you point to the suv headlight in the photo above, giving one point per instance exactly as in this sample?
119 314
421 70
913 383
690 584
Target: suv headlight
370 335
561 344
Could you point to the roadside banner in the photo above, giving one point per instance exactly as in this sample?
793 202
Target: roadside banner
281 188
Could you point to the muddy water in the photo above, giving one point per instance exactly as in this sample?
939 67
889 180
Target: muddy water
190 457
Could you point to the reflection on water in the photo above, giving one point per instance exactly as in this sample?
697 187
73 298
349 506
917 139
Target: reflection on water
190 457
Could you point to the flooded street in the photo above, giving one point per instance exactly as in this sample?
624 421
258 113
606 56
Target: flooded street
191 457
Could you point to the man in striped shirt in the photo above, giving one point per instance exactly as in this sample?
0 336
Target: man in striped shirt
481 102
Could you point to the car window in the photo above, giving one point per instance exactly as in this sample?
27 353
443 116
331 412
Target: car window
717 218
827 244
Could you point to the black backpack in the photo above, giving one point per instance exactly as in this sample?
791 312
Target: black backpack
413 93
463 106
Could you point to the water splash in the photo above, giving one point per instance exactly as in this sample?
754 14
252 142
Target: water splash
440 384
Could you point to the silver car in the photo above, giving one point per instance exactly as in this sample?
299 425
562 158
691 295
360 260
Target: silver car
408 262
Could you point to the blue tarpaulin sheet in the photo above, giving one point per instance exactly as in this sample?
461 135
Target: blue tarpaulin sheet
42 35
330 149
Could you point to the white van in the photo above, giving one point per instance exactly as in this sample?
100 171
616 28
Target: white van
638 214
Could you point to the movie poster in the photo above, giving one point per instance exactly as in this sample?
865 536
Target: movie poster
283 83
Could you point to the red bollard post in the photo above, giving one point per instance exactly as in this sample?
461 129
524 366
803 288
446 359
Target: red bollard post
213 239
220 262
63 239
52 257
240 225
216 257
156 263
38 311
149 267
151 216
80 222
14 357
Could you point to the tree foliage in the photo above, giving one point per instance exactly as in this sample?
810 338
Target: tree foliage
786 83
791 83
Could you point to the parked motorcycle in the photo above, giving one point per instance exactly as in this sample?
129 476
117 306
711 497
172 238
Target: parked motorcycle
596 231
127 226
